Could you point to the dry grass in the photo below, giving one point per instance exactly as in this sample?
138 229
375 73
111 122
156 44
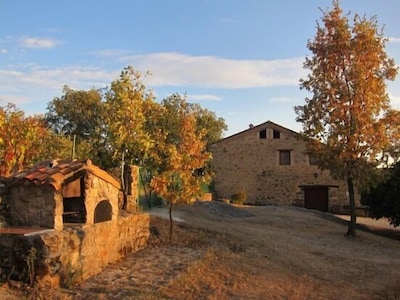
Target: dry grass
251 253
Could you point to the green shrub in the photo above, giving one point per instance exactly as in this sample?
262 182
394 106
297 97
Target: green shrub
239 198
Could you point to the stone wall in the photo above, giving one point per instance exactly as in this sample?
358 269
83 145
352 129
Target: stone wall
248 163
32 205
97 190
75 253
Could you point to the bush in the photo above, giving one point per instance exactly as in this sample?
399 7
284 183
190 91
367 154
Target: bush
239 198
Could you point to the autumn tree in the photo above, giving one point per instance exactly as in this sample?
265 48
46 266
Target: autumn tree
125 117
21 139
348 103
391 153
80 116
179 150
125 104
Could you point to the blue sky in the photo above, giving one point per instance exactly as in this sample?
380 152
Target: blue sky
240 59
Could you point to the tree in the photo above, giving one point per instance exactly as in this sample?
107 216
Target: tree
206 119
383 199
154 136
179 150
125 117
80 116
391 154
21 139
347 108
125 104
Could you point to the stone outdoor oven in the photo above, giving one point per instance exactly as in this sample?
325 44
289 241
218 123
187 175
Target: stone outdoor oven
55 193
73 214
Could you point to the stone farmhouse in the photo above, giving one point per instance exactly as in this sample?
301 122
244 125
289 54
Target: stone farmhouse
270 164
71 213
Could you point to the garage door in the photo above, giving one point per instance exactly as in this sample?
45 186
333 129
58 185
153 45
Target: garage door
316 198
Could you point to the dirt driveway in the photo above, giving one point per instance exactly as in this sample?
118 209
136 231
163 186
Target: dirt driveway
225 252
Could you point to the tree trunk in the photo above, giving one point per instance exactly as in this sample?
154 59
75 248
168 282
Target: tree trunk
170 222
148 199
351 231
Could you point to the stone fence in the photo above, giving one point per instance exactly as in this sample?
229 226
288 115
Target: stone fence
75 253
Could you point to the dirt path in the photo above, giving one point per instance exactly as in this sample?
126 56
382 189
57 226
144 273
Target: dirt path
225 252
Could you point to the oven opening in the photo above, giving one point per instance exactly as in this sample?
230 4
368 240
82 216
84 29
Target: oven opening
74 202
103 212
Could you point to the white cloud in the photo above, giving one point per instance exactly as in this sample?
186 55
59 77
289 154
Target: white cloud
44 84
38 43
39 84
13 98
204 97
394 40
3 51
177 69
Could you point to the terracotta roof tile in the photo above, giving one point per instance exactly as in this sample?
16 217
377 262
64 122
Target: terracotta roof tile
52 171
42 177
32 175
55 173
65 171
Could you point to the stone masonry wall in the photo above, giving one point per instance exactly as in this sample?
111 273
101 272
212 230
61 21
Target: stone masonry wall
79 252
97 190
250 164
32 205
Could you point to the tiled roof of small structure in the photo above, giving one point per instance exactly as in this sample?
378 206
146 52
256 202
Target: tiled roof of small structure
56 172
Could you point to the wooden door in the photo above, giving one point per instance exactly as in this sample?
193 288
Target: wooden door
316 198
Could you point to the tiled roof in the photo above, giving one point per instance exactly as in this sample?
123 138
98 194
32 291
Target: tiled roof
56 172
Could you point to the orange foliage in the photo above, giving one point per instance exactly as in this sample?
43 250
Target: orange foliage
175 180
20 139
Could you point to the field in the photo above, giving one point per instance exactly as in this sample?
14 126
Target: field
221 251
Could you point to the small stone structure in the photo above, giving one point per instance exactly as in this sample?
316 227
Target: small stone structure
70 213
270 164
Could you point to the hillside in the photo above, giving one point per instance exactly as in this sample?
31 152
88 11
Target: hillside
225 252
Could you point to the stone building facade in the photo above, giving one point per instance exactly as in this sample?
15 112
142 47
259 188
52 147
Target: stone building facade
270 164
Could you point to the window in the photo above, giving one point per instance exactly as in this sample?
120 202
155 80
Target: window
276 134
284 157
263 134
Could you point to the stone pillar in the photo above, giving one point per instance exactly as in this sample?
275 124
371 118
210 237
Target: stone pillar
132 190
58 211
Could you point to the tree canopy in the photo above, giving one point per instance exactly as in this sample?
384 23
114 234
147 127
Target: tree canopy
383 199
79 115
25 140
180 151
349 103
